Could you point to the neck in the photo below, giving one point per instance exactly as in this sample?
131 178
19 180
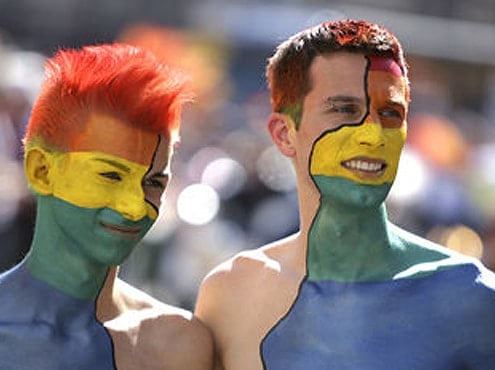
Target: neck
55 259
107 306
350 242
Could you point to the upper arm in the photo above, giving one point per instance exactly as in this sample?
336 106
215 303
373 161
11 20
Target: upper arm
220 307
209 300
196 348
212 309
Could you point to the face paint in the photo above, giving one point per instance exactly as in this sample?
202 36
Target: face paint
99 180
158 174
367 151
99 234
141 167
106 192
341 153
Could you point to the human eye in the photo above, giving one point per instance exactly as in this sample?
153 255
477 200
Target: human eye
345 111
392 113
348 109
156 183
111 175
391 117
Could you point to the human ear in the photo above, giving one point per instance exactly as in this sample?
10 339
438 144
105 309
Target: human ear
37 165
281 128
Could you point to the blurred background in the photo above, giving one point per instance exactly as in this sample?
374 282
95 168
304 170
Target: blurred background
231 190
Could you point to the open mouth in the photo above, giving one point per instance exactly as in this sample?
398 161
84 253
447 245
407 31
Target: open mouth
364 165
125 231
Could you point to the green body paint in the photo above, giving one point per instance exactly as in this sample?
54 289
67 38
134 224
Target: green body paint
72 251
351 240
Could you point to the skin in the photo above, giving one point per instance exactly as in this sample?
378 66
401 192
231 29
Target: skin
150 335
93 204
337 129
97 201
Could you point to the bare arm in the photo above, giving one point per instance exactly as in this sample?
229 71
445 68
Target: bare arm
192 348
151 335
208 310
240 301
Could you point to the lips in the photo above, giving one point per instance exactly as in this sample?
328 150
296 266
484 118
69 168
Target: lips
369 166
125 231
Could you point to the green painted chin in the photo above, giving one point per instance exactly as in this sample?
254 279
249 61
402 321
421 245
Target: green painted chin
349 193
98 234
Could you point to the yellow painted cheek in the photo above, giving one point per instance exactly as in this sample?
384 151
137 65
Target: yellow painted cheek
129 200
77 179
341 145
395 139
72 184
151 211
324 159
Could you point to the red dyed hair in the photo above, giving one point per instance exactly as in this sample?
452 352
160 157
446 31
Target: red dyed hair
124 81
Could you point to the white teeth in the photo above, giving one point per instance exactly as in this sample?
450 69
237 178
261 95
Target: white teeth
363 165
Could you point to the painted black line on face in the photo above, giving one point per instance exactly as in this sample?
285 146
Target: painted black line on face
355 124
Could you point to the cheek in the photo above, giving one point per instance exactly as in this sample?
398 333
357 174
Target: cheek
396 139
78 183
78 221
72 185
154 200
326 151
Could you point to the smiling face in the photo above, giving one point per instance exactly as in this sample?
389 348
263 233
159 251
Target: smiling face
106 192
353 124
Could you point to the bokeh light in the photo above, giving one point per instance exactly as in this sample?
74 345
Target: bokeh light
275 171
411 180
198 204
226 176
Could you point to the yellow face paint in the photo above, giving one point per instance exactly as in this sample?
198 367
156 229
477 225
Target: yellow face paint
339 153
364 131
100 180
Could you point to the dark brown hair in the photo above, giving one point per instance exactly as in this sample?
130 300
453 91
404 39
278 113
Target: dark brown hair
287 71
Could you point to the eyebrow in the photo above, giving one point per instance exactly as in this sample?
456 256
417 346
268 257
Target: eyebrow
397 103
160 174
343 99
116 164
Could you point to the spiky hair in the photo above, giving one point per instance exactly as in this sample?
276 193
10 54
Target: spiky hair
124 81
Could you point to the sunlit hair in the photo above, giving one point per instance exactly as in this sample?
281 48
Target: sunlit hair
287 71
124 81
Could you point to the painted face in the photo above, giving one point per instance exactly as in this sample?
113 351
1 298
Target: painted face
107 191
354 119
367 129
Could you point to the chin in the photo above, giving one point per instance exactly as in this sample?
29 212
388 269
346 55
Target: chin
350 193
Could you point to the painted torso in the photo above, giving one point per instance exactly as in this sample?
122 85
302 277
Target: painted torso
350 290
443 321
46 329
377 297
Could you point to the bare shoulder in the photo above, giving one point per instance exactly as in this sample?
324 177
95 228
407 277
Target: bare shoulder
270 261
166 320
232 287
241 299
172 335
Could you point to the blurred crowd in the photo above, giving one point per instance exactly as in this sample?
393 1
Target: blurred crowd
231 190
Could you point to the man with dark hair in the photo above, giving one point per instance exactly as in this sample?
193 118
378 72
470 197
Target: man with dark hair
349 290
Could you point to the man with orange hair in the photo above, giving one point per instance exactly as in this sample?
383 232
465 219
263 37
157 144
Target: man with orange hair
97 153
349 290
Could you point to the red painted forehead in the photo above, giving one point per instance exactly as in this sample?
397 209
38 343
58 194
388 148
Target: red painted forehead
385 64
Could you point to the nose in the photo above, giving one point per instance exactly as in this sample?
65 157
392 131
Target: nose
370 134
131 205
